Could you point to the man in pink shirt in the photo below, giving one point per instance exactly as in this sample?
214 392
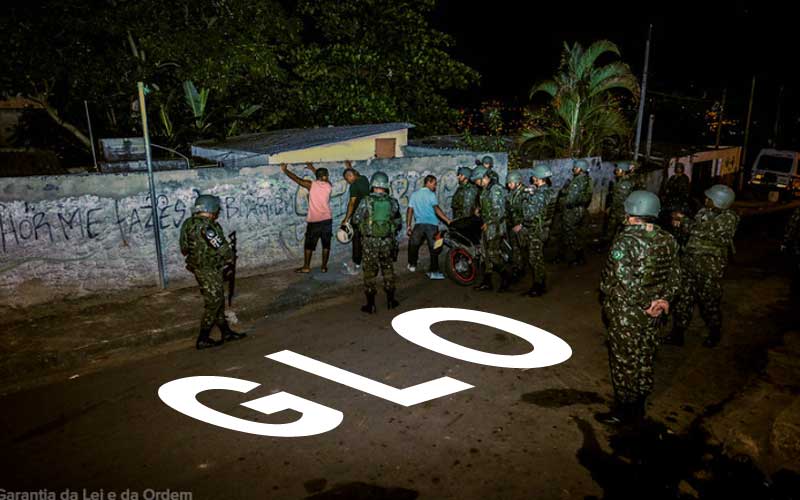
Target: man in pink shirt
319 218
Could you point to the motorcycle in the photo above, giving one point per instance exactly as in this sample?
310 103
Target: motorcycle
463 258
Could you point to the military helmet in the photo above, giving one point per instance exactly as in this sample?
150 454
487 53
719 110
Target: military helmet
379 180
345 233
721 195
514 177
542 171
487 159
478 173
465 171
206 203
623 165
642 204
581 164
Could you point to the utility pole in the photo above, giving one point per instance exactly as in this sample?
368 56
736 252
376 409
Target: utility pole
153 200
649 145
720 116
777 117
640 116
91 137
743 165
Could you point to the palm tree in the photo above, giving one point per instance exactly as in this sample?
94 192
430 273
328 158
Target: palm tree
585 112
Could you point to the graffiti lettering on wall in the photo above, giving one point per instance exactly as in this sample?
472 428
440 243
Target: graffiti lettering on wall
24 225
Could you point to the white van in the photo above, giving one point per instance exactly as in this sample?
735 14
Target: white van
777 172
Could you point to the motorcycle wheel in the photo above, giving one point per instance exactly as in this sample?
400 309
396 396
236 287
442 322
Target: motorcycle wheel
461 267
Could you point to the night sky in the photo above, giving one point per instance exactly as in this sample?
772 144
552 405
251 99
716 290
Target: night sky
710 44
698 48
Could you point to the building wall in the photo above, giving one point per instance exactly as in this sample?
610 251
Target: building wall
362 148
65 236
602 174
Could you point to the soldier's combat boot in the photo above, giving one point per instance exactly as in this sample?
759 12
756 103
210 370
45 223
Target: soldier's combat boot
369 307
505 282
579 260
486 284
618 415
537 290
391 302
204 341
676 337
229 335
713 338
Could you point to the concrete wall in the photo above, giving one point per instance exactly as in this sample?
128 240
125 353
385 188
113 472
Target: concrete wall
602 174
70 235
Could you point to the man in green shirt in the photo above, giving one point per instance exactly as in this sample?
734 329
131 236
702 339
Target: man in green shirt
359 188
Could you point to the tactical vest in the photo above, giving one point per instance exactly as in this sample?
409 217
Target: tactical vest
379 222
514 206
487 207
659 254
701 243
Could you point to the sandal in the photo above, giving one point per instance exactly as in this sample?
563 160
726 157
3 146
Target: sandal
302 270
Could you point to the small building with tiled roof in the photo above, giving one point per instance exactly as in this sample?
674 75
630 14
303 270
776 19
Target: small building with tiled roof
354 142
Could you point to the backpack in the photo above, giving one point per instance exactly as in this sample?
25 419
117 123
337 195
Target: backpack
379 217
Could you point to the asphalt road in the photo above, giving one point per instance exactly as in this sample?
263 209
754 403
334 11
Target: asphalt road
515 434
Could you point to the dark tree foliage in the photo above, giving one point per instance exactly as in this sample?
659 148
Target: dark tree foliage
258 64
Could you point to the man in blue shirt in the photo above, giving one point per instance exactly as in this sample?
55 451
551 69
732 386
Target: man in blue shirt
422 220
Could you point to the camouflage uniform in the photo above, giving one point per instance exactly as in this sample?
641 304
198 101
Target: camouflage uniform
622 188
537 218
710 236
207 253
515 202
577 195
378 252
642 267
677 193
465 200
791 244
493 213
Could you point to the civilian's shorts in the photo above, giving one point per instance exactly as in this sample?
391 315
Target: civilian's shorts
319 230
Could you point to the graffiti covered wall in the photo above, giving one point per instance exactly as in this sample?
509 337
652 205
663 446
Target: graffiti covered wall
67 235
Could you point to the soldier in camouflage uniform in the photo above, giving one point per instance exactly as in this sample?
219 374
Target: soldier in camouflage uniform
493 213
537 216
677 191
622 188
516 198
710 237
636 176
465 199
577 195
378 218
638 283
207 253
791 247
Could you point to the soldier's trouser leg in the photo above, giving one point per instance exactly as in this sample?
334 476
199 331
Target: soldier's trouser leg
386 265
370 268
517 252
492 254
536 260
631 351
574 219
685 300
213 291
709 298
